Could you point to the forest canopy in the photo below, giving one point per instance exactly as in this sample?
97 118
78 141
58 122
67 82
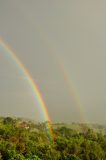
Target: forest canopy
22 139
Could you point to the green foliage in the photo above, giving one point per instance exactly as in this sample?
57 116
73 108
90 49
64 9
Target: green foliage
73 157
24 140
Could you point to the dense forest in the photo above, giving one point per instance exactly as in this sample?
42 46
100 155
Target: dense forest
22 139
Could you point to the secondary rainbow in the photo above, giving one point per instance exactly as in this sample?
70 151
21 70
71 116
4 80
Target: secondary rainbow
37 95
73 91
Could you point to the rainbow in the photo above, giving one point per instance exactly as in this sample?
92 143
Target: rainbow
73 91
65 73
63 68
37 95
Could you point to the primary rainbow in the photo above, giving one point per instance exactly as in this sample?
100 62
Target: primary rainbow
37 95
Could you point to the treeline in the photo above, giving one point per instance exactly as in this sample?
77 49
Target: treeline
24 140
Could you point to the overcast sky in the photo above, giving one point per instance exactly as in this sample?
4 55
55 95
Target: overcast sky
63 45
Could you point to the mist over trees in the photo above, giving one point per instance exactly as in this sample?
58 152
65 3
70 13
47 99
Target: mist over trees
25 140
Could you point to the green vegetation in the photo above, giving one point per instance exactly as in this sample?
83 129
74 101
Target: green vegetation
25 140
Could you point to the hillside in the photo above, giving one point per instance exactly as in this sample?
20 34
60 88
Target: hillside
22 139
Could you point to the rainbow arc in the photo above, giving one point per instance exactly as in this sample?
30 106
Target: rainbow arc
36 92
